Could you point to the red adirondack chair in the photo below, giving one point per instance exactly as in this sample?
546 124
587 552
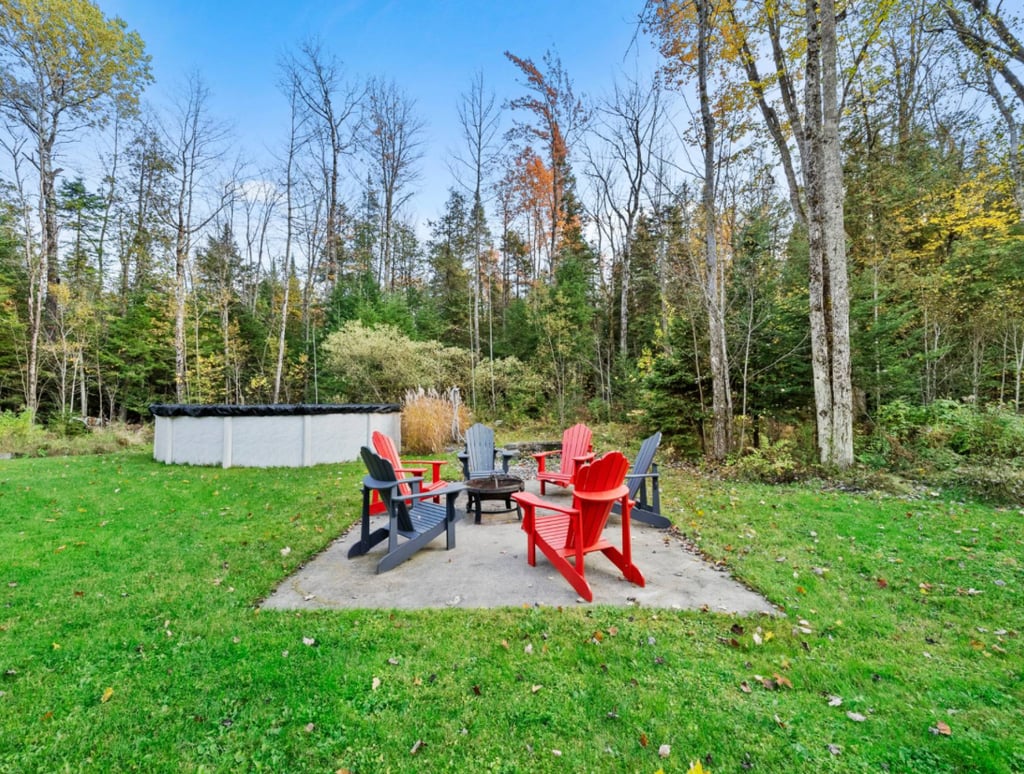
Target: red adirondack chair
572 533
385 447
576 450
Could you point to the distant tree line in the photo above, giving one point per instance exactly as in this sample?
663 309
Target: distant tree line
806 214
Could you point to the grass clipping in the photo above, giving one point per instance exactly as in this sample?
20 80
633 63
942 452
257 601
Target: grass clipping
430 421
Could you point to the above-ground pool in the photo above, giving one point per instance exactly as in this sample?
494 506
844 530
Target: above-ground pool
279 435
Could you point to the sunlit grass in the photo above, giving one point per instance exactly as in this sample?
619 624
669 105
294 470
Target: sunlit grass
131 638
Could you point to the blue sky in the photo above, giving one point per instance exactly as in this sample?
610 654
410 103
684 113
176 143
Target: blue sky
430 49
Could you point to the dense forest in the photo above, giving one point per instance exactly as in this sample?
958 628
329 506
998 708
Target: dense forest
810 214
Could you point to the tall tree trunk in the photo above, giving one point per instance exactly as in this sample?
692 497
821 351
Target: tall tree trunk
828 286
180 299
286 274
721 401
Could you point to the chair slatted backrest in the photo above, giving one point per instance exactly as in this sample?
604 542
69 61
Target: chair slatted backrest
385 447
642 463
575 443
602 475
381 469
480 449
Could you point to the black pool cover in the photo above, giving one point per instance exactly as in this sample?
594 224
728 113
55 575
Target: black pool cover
268 409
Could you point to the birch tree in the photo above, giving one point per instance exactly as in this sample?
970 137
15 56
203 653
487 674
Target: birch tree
812 168
478 120
331 105
53 97
392 141
627 127
194 145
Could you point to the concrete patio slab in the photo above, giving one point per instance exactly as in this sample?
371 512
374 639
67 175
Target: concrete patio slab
488 568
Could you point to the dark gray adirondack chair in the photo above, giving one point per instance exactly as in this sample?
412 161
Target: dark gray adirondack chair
646 469
414 517
479 456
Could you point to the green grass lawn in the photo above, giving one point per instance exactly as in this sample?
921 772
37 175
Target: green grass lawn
131 638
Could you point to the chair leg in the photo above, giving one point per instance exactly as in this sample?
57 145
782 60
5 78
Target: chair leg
568 571
450 533
629 570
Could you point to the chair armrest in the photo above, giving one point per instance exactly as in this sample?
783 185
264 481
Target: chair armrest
531 500
445 491
650 474
435 467
418 472
506 455
542 457
372 483
583 458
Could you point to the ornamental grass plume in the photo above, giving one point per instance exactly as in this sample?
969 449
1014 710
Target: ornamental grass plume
430 421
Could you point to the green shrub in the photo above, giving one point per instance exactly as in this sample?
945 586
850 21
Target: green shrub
1001 483
380 363
20 436
773 463
518 391
67 424
19 432
945 429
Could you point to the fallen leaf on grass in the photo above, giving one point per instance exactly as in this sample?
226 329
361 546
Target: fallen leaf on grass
856 717
745 687
416 747
882 583
375 684
942 729
664 751
107 694
835 701
835 749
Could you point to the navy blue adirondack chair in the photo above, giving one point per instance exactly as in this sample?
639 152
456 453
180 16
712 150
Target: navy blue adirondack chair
414 519
480 456
644 476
